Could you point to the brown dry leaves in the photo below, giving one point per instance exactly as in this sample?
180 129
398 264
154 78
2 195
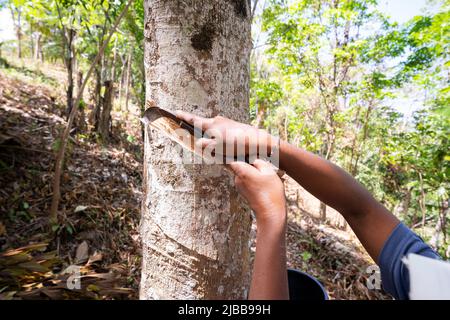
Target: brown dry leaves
105 180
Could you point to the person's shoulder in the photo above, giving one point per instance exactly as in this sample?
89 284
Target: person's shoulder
394 273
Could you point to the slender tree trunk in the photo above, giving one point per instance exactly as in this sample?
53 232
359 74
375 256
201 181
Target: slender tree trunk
17 21
444 209
121 79
81 119
360 150
37 46
127 84
95 115
260 115
69 65
105 119
19 35
31 42
422 203
195 228
113 72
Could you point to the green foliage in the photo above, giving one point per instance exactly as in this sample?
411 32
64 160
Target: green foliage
90 21
329 80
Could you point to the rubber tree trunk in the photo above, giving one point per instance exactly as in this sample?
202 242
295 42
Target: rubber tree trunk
195 228
80 121
37 46
96 97
128 82
123 58
69 66
19 34
113 73
105 119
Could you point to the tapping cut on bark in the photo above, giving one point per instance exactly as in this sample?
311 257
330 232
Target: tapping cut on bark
187 135
195 227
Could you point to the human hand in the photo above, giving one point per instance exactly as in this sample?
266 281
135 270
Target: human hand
264 191
229 137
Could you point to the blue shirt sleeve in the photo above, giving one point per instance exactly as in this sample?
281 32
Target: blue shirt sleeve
394 273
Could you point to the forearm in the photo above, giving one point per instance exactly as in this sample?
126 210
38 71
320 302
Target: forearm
324 180
269 278
369 219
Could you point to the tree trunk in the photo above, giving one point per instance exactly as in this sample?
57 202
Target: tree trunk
17 22
127 84
37 46
121 78
80 121
195 228
95 114
113 73
260 115
105 119
69 65
19 35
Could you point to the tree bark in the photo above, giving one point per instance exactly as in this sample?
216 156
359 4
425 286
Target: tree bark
69 65
195 228
105 119
37 46
95 114
80 121
124 60
113 73
127 83
18 26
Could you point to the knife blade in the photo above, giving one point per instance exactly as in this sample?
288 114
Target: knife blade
168 123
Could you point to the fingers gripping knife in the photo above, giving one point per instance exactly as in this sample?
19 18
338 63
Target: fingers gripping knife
170 125
174 128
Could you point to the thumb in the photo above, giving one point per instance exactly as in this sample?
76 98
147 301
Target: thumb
264 166
242 169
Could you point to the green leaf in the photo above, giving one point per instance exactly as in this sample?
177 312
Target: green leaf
55 227
306 256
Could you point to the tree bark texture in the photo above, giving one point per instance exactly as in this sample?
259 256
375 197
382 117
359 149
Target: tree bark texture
195 227
104 123
128 82
70 56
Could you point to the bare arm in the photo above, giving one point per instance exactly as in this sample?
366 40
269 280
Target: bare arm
369 219
269 278
264 192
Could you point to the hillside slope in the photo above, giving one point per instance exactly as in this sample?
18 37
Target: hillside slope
100 207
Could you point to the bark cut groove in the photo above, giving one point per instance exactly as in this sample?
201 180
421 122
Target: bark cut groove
195 227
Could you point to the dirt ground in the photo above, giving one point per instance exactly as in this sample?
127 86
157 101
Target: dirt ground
100 206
